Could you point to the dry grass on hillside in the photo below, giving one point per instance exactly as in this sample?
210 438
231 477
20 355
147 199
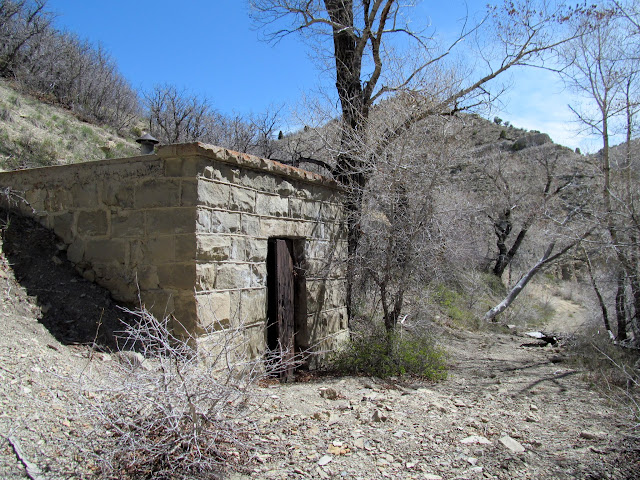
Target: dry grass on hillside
35 134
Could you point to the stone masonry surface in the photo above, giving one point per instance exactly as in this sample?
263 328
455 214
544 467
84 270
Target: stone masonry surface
185 232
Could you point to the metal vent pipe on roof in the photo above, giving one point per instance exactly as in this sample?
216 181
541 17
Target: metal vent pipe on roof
147 144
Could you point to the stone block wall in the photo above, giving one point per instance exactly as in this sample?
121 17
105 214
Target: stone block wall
187 230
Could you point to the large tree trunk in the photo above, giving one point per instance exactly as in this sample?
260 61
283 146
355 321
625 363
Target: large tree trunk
350 166
621 306
601 303
634 320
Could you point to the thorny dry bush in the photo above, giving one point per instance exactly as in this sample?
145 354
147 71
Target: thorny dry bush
172 412
613 368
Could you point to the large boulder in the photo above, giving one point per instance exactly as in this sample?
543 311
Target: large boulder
531 140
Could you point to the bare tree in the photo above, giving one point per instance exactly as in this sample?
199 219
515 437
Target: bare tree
175 116
265 126
20 23
361 43
547 258
61 68
525 189
605 73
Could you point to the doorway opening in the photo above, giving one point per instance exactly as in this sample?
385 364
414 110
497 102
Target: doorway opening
286 333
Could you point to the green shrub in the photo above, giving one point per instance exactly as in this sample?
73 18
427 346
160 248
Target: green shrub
136 131
86 131
381 354
456 307
15 101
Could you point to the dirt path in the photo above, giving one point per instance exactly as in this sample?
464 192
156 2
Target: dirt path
568 318
497 392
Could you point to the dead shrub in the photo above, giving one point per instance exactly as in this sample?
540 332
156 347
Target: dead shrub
612 369
169 412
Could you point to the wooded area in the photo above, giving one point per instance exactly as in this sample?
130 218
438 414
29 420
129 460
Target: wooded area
406 107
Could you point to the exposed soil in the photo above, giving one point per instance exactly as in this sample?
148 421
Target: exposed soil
452 429
532 399
73 309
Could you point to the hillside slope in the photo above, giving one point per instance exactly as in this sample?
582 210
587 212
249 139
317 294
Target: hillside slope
34 134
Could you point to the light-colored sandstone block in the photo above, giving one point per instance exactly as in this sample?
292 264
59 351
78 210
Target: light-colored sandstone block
147 277
127 224
63 226
232 275
331 212
92 223
261 181
159 302
256 249
159 250
117 194
212 247
188 193
255 344
242 199
185 248
295 207
225 222
272 205
214 309
184 316
222 172
36 198
274 227
285 188
213 194
250 225
58 199
170 220
213 221
253 306
259 274
172 167
85 195
205 276
75 252
105 251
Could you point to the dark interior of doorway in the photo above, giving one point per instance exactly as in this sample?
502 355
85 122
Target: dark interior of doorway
286 310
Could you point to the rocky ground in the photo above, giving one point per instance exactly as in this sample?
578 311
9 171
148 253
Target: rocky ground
506 411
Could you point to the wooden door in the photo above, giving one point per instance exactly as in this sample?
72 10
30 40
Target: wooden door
281 321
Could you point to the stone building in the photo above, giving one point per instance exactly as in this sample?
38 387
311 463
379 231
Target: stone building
209 237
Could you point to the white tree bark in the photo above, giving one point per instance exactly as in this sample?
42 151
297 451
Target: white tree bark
546 259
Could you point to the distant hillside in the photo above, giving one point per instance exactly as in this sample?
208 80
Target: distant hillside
470 136
35 134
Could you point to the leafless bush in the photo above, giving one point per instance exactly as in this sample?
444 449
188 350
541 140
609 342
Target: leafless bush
172 412
61 68
177 116
613 369
622 380
21 23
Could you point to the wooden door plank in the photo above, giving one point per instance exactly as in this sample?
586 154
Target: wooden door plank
285 306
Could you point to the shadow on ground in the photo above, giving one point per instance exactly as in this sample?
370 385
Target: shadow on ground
74 310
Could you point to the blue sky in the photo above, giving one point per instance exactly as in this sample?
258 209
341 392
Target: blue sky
210 48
